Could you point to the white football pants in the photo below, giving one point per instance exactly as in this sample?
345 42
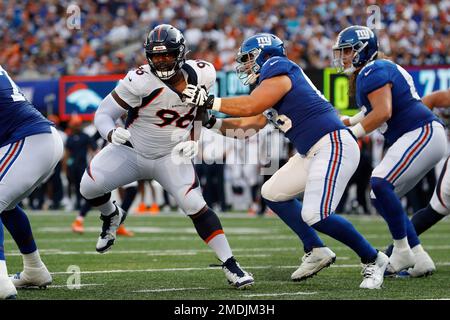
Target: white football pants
115 166
26 163
322 175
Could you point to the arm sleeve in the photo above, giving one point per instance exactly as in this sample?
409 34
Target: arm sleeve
210 78
106 116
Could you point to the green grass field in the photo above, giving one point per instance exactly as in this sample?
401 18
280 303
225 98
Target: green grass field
167 260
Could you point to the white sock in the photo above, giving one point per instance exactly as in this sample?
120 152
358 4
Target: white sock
401 243
3 269
418 249
107 208
221 247
32 260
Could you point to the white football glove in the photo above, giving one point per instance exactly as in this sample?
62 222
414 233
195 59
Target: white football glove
188 149
195 95
120 136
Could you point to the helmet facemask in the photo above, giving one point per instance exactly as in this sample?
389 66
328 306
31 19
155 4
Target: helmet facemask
166 69
339 55
248 69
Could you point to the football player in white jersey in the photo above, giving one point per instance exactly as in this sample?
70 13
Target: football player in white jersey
159 125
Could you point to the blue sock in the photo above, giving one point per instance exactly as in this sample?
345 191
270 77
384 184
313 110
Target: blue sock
18 225
425 218
290 212
2 241
340 229
389 206
413 239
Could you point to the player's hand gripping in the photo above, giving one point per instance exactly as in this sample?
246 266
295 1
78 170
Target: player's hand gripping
188 149
119 136
198 95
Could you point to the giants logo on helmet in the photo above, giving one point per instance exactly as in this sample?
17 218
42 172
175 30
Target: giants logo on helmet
264 41
363 34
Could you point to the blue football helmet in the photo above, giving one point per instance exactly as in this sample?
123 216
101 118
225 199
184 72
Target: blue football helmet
253 52
364 45
165 39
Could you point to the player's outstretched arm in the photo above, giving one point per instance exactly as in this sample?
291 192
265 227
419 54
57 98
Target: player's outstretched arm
381 102
437 99
265 96
243 127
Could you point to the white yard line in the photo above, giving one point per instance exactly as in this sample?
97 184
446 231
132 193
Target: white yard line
168 290
163 230
447 263
278 294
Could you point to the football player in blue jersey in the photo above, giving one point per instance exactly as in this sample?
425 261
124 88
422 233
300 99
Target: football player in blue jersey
327 153
439 206
388 100
30 148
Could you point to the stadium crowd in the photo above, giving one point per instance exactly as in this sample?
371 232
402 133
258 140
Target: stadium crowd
43 39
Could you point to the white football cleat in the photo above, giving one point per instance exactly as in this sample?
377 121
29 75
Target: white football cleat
401 259
374 272
7 289
109 228
424 265
32 277
313 262
236 276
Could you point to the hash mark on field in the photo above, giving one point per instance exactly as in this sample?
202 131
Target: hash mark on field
168 290
278 294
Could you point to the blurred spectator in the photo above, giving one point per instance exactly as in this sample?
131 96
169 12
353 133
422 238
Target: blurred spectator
75 158
36 41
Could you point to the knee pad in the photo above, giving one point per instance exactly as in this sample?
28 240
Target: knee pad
268 192
89 188
310 217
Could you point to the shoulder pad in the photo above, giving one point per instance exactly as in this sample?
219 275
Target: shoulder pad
202 72
139 80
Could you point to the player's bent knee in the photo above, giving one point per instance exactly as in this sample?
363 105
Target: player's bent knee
269 192
90 189
380 184
310 217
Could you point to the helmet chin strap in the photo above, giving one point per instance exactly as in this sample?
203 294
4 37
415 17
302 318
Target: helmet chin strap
349 71
251 79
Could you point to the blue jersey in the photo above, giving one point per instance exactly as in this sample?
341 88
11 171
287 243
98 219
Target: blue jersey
18 117
408 111
303 114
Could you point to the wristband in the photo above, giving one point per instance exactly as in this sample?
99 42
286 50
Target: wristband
356 118
216 104
358 130
217 125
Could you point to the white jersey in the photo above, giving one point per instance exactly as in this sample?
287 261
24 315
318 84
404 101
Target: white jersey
157 117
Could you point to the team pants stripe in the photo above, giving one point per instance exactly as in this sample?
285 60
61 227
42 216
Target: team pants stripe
332 172
11 155
338 141
410 154
439 184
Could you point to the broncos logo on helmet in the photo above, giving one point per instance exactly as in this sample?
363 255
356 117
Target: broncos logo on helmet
361 42
253 52
165 41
